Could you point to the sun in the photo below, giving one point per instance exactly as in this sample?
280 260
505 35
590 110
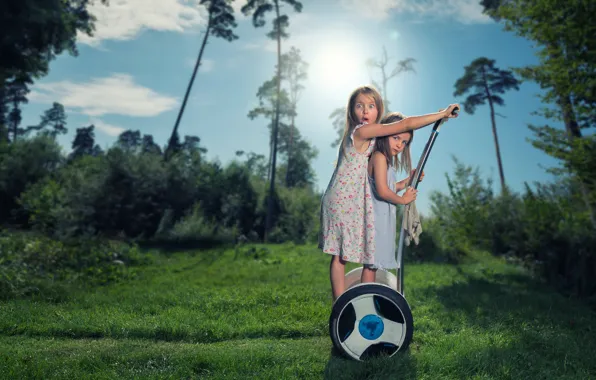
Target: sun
338 64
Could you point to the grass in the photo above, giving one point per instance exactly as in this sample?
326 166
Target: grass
262 313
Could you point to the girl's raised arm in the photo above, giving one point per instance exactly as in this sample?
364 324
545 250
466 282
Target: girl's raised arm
370 131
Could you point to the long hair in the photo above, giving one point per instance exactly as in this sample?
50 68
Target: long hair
351 120
382 145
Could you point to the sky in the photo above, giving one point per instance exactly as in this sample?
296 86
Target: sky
133 73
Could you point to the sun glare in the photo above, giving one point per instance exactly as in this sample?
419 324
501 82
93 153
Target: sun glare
338 65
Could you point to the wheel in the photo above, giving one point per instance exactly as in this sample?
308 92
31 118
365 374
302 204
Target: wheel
382 277
370 320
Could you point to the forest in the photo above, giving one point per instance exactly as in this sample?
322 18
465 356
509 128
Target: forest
99 218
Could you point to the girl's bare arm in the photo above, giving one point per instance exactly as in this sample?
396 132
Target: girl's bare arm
380 176
400 185
370 131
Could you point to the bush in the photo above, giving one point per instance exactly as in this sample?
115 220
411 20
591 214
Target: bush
196 228
298 219
133 193
22 164
432 246
548 229
34 264
67 203
459 220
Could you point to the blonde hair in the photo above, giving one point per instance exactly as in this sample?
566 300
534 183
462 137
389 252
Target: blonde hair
351 120
382 145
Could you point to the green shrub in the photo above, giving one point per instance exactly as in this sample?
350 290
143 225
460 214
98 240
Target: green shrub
432 245
460 219
551 234
298 219
33 264
548 229
195 227
22 164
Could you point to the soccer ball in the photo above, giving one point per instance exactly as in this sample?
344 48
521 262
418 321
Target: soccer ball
369 320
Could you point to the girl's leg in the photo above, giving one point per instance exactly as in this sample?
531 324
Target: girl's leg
337 273
368 274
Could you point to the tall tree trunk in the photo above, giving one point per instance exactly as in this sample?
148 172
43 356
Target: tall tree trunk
569 118
270 152
269 219
4 131
290 151
188 88
494 126
573 132
14 123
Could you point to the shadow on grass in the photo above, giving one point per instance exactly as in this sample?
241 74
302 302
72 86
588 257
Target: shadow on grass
518 298
158 334
40 291
527 328
400 366
170 246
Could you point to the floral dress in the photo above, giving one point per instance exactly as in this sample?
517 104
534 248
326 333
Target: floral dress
347 218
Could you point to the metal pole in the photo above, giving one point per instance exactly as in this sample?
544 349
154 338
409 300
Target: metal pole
413 181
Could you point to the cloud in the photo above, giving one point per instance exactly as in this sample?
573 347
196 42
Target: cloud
463 11
251 46
200 100
116 94
125 19
205 67
237 5
106 128
300 30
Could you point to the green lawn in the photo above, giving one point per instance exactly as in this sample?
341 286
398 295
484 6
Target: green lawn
264 315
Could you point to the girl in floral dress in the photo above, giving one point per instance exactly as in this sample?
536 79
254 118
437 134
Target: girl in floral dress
347 218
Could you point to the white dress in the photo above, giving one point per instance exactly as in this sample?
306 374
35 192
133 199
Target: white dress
385 215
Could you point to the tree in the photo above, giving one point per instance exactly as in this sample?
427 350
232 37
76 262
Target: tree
338 119
219 23
485 80
149 146
191 144
14 93
299 154
3 133
267 95
402 66
563 31
84 143
55 117
294 71
34 32
255 164
174 144
567 68
130 140
259 8
3 110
